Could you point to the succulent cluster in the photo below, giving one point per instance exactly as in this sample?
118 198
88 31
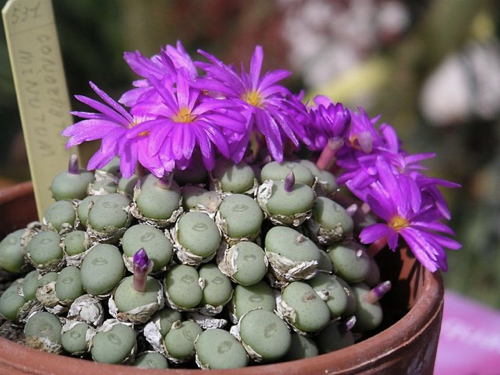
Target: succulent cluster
249 263
210 227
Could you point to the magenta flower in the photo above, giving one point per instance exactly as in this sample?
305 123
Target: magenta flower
397 200
111 124
362 134
431 194
185 118
166 63
157 66
326 129
181 58
360 173
261 98
329 122
364 144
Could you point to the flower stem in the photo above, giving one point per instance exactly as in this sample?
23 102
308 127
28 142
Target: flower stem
327 157
376 246
140 282
288 149
140 170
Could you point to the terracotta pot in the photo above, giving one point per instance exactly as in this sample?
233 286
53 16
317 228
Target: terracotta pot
407 346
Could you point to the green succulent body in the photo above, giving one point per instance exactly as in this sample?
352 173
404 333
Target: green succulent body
115 345
158 203
182 286
198 234
234 178
297 201
250 263
102 269
242 216
152 240
75 242
45 249
256 296
128 299
266 334
43 326
67 186
311 314
11 256
69 284
11 302
218 349
179 342
350 261
108 214
151 360
278 171
217 290
74 340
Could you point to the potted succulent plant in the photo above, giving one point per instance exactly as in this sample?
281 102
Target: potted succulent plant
214 234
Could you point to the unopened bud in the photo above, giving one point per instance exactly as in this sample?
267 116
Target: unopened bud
73 165
378 292
347 325
289 182
142 266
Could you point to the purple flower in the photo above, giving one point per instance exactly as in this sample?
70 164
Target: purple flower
111 124
329 122
181 58
396 199
362 134
157 66
358 155
261 98
364 144
325 129
361 172
166 63
184 118
431 194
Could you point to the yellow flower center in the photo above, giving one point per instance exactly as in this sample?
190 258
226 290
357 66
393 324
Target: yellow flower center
184 115
141 134
353 140
397 223
252 98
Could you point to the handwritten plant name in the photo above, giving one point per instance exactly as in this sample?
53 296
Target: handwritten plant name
40 77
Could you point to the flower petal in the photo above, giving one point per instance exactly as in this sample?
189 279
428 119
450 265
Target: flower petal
375 232
422 249
270 78
113 104
256 66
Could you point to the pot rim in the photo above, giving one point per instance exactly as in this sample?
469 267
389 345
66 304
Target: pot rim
426 310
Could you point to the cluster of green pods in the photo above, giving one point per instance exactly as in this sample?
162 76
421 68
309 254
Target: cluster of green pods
249 263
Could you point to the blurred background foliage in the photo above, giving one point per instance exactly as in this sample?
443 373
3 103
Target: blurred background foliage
431 68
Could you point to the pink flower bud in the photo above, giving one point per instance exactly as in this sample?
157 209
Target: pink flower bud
142 266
